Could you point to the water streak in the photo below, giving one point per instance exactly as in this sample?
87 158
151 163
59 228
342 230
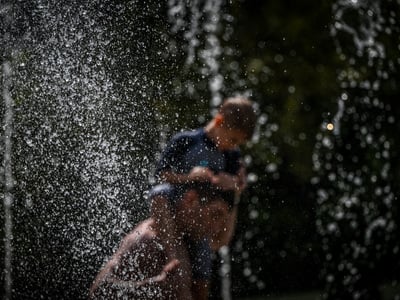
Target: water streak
225 273
205 21
355 192
366 43
8 179
212 52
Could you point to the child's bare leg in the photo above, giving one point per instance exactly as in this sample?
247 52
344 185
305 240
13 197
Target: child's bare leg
200 289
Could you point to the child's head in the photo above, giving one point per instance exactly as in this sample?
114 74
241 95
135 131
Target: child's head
236 121
239 113
200 210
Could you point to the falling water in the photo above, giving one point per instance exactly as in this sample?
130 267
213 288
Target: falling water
77 99
82 86
204 20
8 179
365 41
225 272
353 157
210 52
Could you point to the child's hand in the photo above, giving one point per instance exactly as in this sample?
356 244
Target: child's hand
226 181
200 174
242 179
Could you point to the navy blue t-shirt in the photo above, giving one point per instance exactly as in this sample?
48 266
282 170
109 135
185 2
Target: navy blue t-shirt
190 149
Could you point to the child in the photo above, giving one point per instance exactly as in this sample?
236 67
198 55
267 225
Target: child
210 155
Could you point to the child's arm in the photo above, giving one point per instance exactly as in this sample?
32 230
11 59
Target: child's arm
196 174
242 177
228 181
161 213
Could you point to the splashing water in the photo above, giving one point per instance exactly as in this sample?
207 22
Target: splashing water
77 97
225 271
8 180
80 98
365 42
209 53
353 158
7 176
204 19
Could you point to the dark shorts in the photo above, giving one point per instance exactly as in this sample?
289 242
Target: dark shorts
200 258
199 250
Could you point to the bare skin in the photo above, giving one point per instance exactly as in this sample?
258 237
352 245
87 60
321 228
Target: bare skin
141 268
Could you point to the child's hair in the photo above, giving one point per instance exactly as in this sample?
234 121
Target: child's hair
239 113
208 192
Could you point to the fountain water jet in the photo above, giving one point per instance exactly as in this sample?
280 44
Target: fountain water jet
77 97
353 161
8 180
210 52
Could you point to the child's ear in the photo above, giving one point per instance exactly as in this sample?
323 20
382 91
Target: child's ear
219 119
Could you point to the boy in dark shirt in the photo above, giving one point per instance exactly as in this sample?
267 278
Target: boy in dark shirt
209 155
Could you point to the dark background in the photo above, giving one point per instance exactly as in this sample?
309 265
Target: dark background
295 232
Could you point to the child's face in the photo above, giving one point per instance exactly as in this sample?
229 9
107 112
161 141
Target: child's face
211 219
229 139
200 219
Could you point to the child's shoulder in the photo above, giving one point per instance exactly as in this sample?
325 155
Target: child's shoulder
189 135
